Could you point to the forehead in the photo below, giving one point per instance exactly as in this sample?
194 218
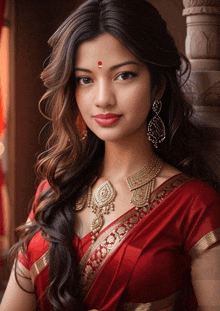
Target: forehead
105 48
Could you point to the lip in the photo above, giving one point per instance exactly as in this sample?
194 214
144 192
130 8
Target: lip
107 116
107 119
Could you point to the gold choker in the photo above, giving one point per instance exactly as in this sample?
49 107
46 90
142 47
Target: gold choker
141 185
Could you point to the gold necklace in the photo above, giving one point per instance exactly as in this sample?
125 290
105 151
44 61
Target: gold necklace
102 203
141 184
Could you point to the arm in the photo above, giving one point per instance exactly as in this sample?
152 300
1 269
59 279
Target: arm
205 272
16 298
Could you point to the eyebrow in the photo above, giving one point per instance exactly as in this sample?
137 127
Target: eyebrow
130 62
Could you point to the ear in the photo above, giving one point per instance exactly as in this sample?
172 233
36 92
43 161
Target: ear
159 89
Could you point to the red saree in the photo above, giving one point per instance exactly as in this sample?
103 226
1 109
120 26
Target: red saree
142 260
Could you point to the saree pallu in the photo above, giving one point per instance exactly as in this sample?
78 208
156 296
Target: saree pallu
142 260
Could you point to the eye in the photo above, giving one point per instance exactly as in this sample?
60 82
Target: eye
83 80
126 76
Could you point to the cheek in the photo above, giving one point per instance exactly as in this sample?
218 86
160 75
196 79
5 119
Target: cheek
80 101
83 99
138 100
77 97
78 91
138 92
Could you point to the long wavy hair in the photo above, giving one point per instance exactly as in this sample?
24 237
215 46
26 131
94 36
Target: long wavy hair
70 164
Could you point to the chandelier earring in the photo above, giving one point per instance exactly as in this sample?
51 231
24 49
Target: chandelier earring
81 125
156 131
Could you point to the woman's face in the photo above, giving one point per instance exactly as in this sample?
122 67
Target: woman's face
114 98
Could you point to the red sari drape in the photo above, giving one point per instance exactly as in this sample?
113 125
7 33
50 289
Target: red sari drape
142 260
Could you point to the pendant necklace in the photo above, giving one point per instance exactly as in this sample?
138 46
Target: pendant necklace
141 185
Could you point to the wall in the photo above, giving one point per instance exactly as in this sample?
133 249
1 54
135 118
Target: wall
171 11
34 22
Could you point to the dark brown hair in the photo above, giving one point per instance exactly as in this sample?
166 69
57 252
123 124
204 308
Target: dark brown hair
69 164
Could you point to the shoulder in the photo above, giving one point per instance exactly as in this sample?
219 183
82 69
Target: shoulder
37 245
189 186
190 196
199 190
43 185
199 216
197 198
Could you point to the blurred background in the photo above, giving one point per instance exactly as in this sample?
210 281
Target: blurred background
25 28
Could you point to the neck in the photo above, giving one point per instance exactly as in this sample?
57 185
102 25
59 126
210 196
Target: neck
124 158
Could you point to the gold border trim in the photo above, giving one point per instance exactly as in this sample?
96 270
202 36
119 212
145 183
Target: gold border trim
108 250
39 265
157 196
89 274
205 242
150 306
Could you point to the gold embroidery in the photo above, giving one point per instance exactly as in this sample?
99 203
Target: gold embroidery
39 265
150 306
92 261
112 237
204 243
97 254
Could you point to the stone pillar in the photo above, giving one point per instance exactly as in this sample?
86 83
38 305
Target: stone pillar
203 51
203 33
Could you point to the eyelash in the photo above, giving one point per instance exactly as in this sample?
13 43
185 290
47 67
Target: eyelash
79 79
128 73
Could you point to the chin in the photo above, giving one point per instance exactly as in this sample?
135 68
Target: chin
106 136
109 139
112 138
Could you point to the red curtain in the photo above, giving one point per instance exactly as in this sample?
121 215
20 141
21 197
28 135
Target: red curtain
2 8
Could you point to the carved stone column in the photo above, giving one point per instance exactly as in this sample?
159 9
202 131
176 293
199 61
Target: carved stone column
203 51
203 33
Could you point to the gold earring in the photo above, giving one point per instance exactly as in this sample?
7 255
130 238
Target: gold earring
81 125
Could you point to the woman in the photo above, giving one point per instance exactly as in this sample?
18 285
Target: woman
120 220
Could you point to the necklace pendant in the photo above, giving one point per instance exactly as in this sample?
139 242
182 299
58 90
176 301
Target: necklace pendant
108 208
104 195
140 196
94 208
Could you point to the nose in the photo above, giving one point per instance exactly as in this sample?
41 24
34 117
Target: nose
105 96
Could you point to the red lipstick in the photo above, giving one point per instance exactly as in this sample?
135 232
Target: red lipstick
107 119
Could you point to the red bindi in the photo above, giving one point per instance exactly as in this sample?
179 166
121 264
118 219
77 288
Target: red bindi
100 64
